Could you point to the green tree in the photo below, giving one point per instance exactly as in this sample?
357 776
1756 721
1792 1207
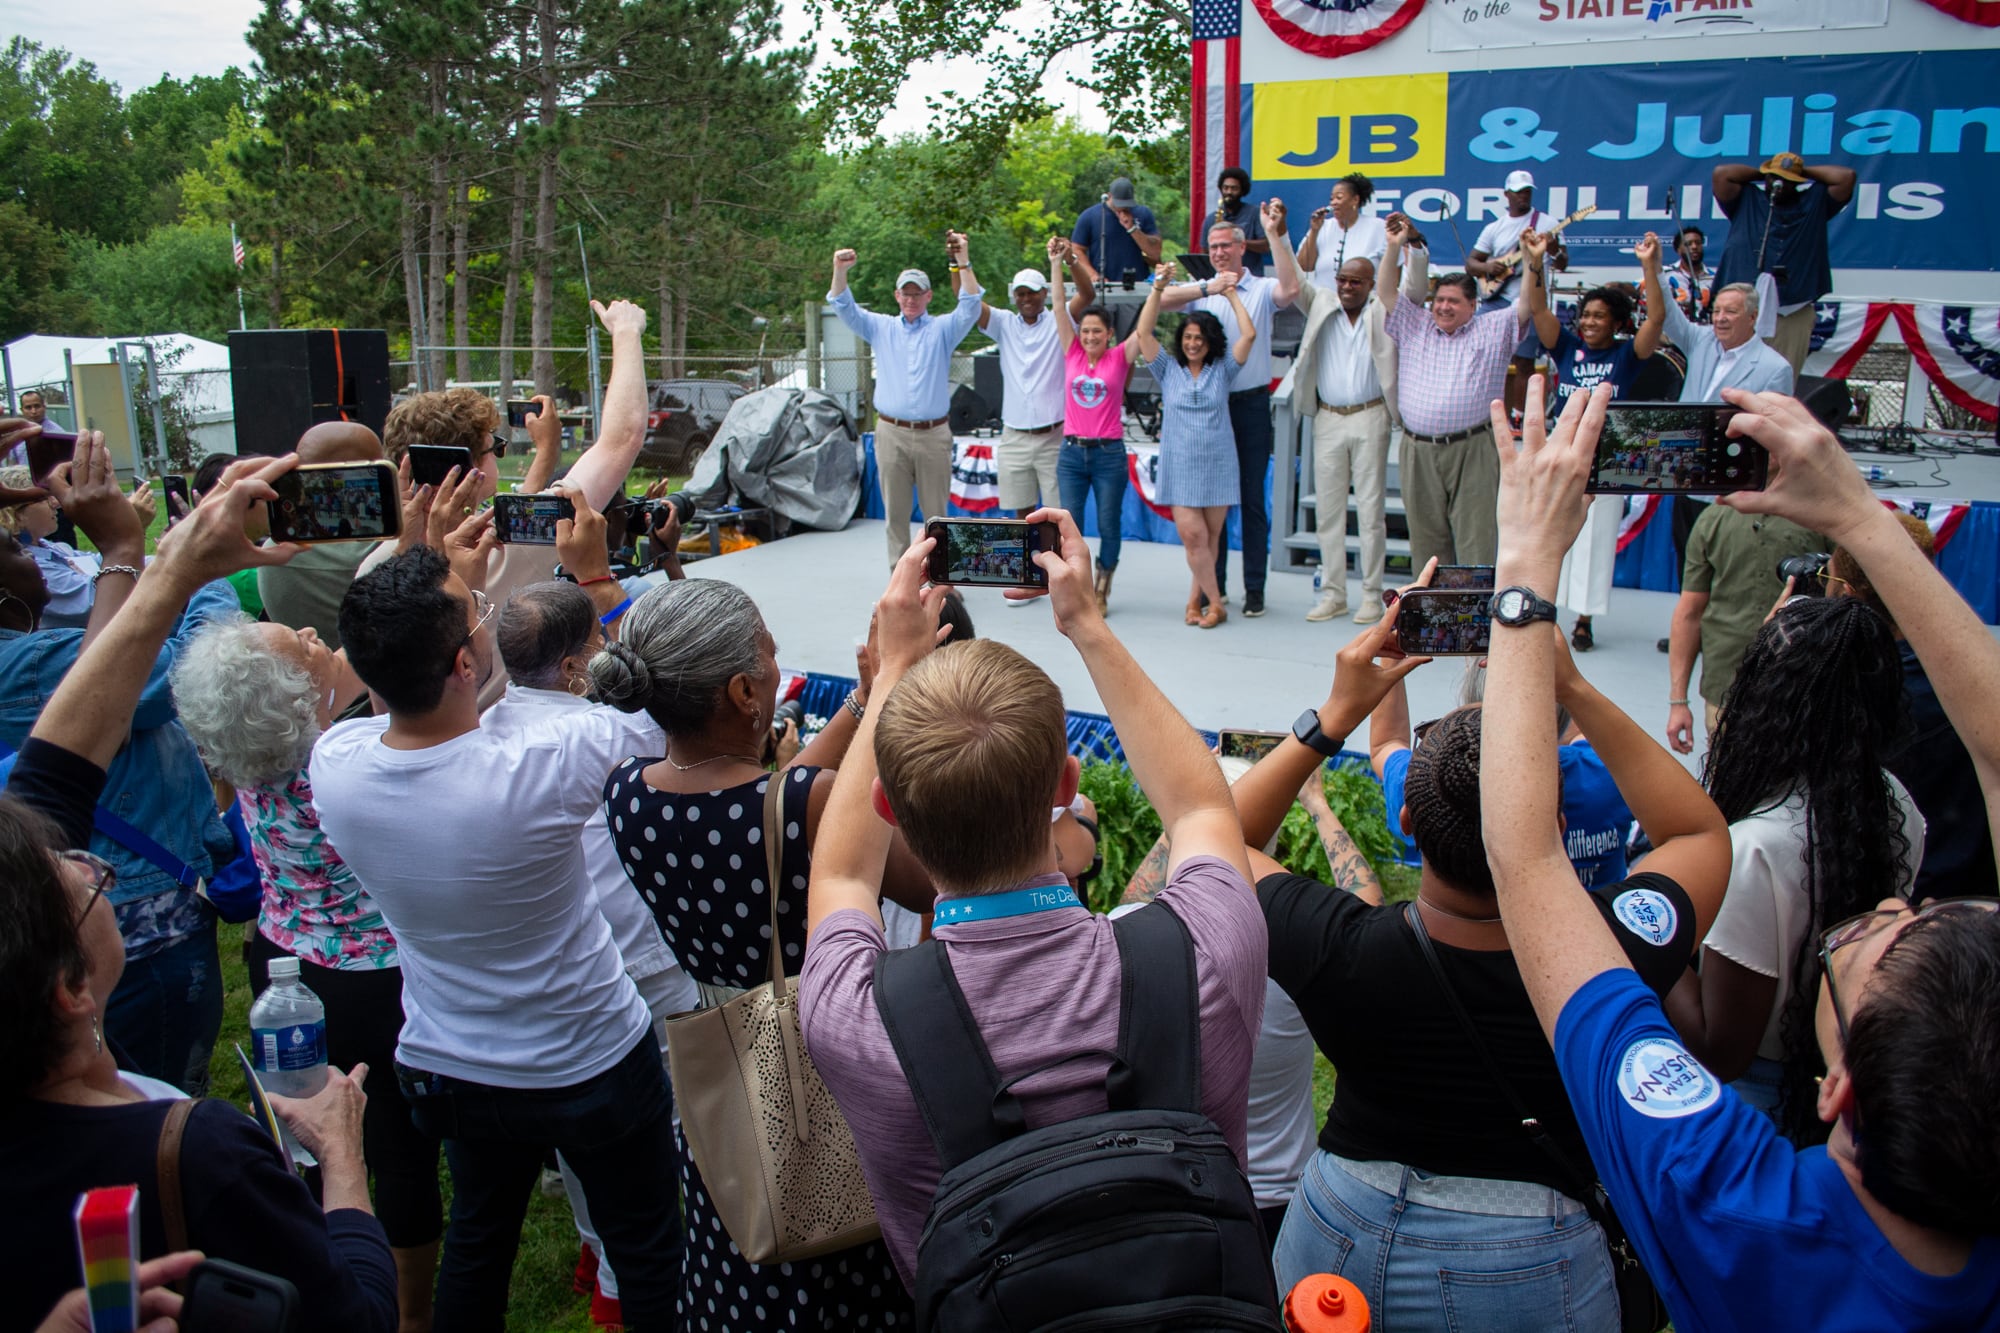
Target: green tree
179 279
64 139
34 269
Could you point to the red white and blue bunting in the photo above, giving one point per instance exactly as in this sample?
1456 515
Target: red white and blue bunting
1332 28
1956 346
975 479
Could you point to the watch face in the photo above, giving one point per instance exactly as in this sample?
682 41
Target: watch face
1511 604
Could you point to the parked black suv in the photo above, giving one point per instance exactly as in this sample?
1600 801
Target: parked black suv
684 418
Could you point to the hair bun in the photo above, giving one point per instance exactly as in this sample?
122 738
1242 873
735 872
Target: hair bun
622 677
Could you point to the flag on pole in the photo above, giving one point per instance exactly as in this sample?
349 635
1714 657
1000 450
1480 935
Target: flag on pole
1217 120
235 245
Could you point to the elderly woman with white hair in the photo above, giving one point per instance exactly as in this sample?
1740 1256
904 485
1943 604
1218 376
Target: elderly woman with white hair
255 697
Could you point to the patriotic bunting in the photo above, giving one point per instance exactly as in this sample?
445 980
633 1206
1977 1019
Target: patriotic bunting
975 480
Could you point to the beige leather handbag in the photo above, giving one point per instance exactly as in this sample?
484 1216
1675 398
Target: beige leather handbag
771 1144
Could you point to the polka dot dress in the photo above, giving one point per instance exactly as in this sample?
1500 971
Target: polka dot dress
699 862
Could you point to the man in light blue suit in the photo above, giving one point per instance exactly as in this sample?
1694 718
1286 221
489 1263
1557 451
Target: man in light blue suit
1727 354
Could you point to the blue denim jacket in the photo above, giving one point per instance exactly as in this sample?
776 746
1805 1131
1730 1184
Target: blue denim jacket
156 782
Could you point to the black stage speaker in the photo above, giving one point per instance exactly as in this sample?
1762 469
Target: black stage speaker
986 379
1828 400
286 381
970 411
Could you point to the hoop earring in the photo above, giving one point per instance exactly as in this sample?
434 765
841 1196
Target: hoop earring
579 686
97 1036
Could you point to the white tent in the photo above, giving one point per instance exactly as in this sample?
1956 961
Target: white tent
38 358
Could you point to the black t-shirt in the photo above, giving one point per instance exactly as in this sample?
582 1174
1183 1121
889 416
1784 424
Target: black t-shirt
1412 1088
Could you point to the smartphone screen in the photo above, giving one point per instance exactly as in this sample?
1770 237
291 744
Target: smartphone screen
177 485
336 502
519 410
1674 449
1251 745
989 552
48 451
430 462
530 520
1434 623
1456 577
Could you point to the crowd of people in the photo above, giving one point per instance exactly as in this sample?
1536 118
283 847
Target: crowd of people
1730 1044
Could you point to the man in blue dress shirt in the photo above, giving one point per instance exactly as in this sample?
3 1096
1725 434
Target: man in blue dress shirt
912 384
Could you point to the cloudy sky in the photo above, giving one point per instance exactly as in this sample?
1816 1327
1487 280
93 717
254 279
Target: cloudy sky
134 42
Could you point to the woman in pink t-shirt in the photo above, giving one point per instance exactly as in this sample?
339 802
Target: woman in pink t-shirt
1095 369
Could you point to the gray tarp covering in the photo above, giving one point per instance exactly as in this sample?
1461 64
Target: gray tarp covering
790 450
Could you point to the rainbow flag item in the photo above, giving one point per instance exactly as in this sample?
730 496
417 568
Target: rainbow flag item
107 1238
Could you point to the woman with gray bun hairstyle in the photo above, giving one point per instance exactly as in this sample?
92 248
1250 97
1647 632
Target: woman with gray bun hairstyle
695 655
255 697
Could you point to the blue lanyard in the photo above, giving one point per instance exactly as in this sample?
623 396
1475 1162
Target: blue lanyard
1015 902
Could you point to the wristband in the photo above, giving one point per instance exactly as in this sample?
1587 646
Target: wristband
114 569
601 578
854 705
1677 703
615 612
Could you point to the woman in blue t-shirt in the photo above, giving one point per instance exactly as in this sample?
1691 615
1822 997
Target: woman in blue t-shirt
1582 358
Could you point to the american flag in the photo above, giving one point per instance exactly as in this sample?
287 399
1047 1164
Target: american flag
1217 121
236 246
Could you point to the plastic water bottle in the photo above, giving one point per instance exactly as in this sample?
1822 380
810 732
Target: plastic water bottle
1871 472
288 1034
1324 1303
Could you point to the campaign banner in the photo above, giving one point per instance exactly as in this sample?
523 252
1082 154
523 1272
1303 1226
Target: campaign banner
1476 25
1639 142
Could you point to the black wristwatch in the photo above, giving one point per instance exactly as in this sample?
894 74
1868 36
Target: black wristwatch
1517 606
1306 729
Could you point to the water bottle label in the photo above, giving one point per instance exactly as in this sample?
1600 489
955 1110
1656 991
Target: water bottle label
297 1046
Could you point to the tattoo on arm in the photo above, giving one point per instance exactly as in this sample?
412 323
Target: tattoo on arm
1351 871
1150 878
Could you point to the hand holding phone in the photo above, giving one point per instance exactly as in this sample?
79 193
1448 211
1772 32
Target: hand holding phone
430 462
1674 449
990 553
530 520
336 502
1433 622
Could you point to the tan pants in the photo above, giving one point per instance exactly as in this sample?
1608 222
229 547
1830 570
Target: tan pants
1793 339
1353 445
1451 494
911 463
1027 467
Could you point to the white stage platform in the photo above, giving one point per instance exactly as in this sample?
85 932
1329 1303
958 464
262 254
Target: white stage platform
815 591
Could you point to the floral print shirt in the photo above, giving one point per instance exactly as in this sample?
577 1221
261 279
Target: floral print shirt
314 908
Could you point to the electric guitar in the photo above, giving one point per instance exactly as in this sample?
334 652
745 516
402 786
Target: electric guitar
1490 287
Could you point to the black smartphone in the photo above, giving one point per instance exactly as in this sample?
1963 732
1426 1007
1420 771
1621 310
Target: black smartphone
1432 622
1199 267
336 502
519 410
530 520
1251 745
1457 577
990 552
228 1298
430 462
49 451
1674 449
177 485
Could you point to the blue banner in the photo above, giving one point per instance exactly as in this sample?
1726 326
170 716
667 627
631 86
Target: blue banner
1922 130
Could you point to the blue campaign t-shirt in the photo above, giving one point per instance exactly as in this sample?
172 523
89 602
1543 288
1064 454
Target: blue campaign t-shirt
1596 819
1738 1229
1113 253
1579 367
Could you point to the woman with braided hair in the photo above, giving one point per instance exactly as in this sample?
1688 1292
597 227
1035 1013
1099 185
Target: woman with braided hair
1819 831
1425 1189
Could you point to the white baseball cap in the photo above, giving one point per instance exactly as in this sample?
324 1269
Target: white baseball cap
913 275
1033 279
1520 180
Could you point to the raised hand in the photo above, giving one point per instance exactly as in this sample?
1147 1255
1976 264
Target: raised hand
544 426
1224 282
87 489
906 618
1812 481
455 499
1398 228
1534 247
1648 251
580 543
620 317
955 246
1370 665
1542 504
844 260
13 430
210 543
469 546
142 502
1059 248
1273 215
1163 273
1072 591
416 503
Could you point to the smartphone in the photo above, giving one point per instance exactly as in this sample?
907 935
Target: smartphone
519 410
1674 449
1454 577
1251 745
228 1298
49 451
990 552
336 502
177 485
430 462
530 520
1432 622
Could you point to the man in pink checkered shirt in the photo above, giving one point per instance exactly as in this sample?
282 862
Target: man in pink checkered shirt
1453 364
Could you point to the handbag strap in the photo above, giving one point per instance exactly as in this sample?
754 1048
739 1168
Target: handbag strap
1583 1185
774 862
133 841
167 1174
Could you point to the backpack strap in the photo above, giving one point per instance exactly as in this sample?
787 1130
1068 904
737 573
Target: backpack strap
1159 1014
167 1174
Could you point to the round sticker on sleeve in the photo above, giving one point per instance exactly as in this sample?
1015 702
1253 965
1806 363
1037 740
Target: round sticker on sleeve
1647 913
1657 1077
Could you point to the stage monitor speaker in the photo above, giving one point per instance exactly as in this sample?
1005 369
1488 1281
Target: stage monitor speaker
1828 400
286 381
969 410
986 379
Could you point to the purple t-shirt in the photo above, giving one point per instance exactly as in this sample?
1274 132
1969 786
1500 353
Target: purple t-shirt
1039 986
1094 395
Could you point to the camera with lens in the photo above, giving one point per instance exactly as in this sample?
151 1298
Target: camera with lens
645 515
1808 572
791 710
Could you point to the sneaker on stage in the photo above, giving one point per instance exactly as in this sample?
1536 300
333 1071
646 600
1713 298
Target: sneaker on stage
1253 602
1370 611
1329 605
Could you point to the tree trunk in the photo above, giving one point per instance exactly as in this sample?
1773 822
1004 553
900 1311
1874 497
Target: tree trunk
510 299
544 322
440 218
413 285
461 281
276 296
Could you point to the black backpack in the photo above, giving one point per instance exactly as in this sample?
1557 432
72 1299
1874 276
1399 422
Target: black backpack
1137 1218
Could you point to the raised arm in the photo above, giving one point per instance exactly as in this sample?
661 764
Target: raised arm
1058 304
1309 247
545 430
1289 277
1272 216
1246 337
1558 938
1086 279
87 489
1726 182
843 260
1839 183
1647 340
601 472
1535 297
1149 315
1389 278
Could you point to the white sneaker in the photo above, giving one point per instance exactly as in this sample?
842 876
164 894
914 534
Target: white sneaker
1371 610
1329 605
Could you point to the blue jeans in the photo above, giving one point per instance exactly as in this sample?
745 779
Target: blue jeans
1250 419
1763 1086
616 1133
1095 469
1426 1267
167 1009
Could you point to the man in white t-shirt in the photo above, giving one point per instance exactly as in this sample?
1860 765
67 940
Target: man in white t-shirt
1031 369
1502 238
522 1031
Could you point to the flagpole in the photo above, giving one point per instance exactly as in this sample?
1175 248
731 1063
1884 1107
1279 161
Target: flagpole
236 252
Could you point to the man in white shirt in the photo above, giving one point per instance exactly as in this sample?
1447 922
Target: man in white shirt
522 1031
1031 370
1344 380
1502 237
1250 404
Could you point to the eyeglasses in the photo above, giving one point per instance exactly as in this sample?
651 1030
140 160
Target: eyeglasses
1421 730
484 606
499 445
1857 928
100 872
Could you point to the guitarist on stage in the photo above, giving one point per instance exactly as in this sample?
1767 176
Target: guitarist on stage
1502 237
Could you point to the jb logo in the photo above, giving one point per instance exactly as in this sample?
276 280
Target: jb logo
1317 129
1087 390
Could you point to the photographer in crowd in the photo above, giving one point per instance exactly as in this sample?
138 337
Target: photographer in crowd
1893 1224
